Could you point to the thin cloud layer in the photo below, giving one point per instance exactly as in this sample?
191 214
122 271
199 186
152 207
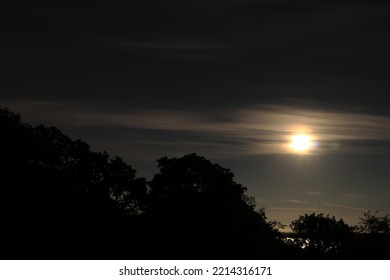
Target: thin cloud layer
245 132
347 207
353 196
296 201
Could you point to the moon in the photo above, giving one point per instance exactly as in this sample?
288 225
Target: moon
301 143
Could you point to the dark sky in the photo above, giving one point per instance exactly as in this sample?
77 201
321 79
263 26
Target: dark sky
230 80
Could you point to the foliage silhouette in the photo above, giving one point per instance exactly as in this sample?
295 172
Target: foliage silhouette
373 237
59 199
200 212
373 224
321 236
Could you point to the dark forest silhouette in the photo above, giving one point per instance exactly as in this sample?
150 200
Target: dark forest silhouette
60 200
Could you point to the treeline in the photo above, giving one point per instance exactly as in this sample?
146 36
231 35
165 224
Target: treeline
60 200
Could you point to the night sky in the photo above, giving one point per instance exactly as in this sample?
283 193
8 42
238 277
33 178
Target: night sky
230 80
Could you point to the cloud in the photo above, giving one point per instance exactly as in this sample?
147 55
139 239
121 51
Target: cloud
297 201
295 209
334 205
242 132
351 195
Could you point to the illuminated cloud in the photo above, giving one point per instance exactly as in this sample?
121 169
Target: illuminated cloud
334 205
243 132
295 209
296 201
352 195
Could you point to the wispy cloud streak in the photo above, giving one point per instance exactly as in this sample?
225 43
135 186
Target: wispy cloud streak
259 130
334 205
352 195
297 201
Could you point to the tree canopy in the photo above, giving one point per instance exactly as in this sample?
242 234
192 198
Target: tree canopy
217 217
56 191
374 224
59 199
320 234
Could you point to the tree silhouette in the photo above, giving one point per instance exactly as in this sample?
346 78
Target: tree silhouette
59 199
320 235
373 237
374 224
200 212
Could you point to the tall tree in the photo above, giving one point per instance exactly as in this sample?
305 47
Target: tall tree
59 199
199 211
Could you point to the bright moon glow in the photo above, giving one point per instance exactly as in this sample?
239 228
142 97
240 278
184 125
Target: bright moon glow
301 143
